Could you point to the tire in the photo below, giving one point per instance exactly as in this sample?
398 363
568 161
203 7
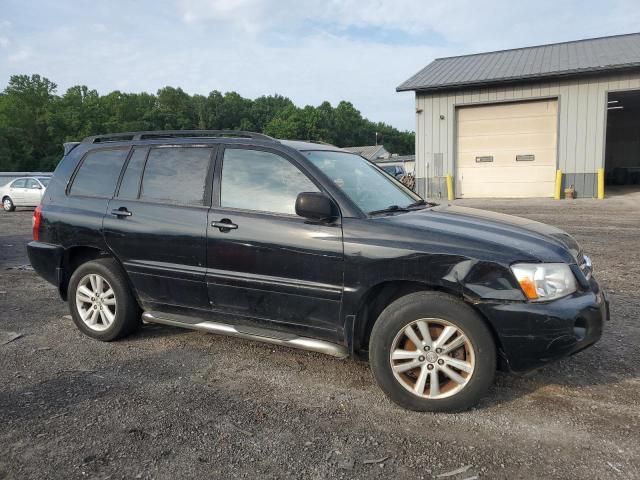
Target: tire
400 379
116 315
8 205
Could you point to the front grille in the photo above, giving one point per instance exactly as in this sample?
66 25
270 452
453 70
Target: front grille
584 263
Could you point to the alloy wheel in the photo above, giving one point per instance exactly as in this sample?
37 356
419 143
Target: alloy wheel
7 204
432 358
96 302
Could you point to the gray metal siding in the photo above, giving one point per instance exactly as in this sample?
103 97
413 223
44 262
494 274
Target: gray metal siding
581 122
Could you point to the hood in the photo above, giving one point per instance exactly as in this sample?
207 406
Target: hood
495 232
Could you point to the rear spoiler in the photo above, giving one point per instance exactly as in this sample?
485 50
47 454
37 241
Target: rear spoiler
68 146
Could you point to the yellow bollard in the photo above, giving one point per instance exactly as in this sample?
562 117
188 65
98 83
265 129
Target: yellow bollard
450 187
558 189
601 184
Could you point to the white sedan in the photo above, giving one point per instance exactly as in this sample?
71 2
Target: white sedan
23 192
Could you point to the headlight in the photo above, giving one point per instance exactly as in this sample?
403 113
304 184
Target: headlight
544 281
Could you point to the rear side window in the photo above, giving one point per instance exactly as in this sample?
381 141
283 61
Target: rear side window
31 183
176 175
98 174
131 180
19 183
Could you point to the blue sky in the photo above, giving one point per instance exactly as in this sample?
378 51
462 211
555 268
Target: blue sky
309 51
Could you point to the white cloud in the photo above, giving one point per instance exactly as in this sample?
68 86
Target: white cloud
20 55
310 51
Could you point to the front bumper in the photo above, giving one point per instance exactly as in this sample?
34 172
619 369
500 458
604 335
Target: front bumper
534 334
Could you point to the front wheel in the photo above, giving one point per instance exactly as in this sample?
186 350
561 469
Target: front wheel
431 352
8 205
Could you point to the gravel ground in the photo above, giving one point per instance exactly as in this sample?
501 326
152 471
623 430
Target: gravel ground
170 403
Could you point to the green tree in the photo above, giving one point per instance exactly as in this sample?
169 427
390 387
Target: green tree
24 116
264 109
77 114
34 121
174 110
349 126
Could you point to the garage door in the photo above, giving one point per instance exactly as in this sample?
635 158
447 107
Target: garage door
507 150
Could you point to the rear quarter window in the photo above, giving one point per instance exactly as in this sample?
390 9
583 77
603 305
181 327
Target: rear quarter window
98 174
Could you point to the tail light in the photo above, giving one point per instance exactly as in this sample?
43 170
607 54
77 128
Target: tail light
37 219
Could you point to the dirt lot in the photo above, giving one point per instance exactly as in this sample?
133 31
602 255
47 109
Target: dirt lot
169 403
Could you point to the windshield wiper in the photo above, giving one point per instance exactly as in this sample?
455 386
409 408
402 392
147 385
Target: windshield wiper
389 209
421 203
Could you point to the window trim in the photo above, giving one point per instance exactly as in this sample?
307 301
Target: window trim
206 197
217 186
126 166
72 179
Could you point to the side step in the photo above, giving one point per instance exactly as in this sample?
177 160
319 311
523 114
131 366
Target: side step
249 333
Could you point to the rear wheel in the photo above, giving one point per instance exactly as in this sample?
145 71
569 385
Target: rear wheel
8 205
431 352
101 303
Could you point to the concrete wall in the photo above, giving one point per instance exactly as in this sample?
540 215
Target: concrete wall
582 105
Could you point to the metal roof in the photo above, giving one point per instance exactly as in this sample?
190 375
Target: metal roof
545 61
369 151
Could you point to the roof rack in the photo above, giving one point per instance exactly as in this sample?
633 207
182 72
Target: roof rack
154 134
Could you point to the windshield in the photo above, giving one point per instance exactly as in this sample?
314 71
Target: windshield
44 181
367 186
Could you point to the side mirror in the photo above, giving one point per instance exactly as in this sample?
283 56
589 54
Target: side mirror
316 206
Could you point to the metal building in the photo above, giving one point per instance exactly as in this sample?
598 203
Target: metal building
502 124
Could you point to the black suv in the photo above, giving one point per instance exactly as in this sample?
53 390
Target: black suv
306 245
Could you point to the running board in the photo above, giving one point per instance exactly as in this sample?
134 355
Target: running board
249 333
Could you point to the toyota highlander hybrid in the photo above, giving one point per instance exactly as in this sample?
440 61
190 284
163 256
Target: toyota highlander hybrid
309 246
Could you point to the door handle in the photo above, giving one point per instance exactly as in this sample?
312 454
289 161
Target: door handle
121 212
224 225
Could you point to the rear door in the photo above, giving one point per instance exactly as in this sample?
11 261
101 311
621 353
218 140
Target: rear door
75 219
270 265
17 191
157 224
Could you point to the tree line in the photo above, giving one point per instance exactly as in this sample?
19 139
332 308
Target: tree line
35 121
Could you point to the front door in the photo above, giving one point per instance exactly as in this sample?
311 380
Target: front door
265 263
157 225
33 192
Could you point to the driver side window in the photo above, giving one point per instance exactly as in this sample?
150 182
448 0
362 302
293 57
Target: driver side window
261 181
